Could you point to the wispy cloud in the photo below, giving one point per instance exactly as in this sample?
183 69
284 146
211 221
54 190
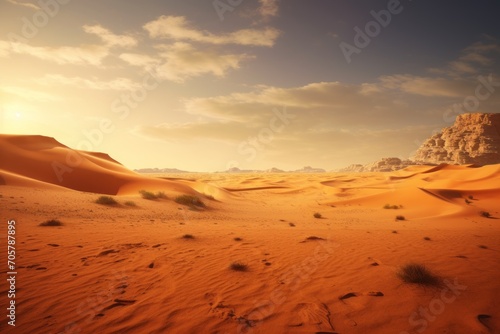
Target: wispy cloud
472 60
24 4
109 38
181 61
29 94
268 8
178 28
96 84
82 55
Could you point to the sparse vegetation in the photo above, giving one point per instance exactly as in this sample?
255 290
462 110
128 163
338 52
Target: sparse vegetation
317 215
238 266
238 239
188 236
52 222
399 217
161 195
471 197
427 238
291 224
485 214
483 246
130 203
393 207
106 200
415 273
313 237
189 200
152 196
467 201
395 232
147 195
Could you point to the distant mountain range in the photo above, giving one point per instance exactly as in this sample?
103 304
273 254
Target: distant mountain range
306 169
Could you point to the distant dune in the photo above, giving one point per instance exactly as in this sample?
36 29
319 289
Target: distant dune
39 161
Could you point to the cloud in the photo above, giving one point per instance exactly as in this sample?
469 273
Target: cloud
473 59
225 131
83 55
116 84
429 86
24 4
181 61
268 8
29 94
178 28
109 38
140 60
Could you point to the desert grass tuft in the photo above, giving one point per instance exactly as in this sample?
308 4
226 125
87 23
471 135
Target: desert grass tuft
190 200
317 215
415 273
399 217
52 222
393 207
238 266
485 214
106 200
188 236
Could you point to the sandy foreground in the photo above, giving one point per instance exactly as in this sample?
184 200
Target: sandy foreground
128 269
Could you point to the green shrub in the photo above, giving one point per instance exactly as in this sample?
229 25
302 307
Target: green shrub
106 200
189 200
148 195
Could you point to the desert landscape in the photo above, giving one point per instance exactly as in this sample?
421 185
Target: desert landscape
104 249
249 167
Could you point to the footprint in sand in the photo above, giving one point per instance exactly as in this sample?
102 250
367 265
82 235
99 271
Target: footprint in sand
355 304
218 308
312 316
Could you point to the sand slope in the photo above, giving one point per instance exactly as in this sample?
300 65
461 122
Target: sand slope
127 269
45 160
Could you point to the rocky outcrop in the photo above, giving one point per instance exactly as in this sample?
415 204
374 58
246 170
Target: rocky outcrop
383 165
472 139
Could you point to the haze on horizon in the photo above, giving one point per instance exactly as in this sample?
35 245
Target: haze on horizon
266 83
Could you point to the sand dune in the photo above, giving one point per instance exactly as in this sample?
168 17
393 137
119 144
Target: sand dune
132 269
43 159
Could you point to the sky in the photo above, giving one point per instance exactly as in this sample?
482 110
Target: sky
254 84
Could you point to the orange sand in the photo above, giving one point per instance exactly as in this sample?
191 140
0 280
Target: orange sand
126 269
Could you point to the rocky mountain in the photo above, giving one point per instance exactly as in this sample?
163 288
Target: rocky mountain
382 165
472 139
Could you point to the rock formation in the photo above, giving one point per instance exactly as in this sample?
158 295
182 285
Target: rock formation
382 165
472 139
